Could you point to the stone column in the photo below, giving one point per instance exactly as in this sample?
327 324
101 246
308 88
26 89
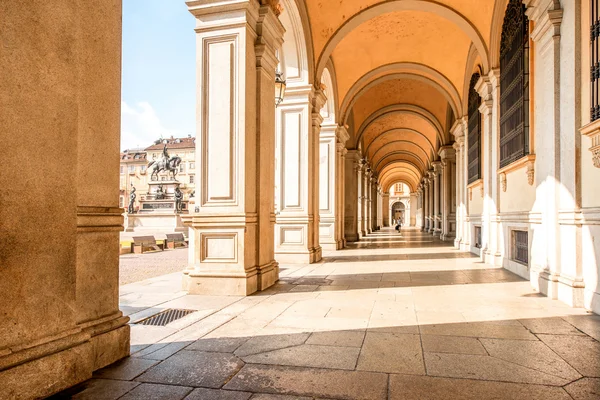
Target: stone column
361 170
448 156
459 139
373 203
385 209
431 201
298 131
425 200
364 200
437 170
379 208
368 197
556 253
331 181
419 213
465 244
413 209
60 217
341 185
352 194
314 247
488 170
232 242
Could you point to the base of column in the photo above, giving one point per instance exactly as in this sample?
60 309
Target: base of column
592 301
353 237
338 245
555 286
268 275
220 283
40 371
301 256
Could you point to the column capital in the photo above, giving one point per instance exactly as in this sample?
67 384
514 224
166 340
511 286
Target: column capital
318 101
484 88
232 12
459 128
447 153
437 168
342 134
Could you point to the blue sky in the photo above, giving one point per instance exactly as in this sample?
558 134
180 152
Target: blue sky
159 71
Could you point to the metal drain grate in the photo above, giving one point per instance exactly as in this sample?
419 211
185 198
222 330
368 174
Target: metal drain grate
165 317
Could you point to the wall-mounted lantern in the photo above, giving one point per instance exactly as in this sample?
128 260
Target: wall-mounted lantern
279 87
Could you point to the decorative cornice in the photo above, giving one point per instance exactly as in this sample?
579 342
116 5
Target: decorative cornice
527 162
592 131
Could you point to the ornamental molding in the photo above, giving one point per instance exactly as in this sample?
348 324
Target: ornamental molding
275 6
527 163
592 131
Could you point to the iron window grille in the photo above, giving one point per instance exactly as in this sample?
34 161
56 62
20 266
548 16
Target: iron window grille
514 84
474 126
594 61
520 249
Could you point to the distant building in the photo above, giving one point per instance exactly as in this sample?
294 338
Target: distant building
134 166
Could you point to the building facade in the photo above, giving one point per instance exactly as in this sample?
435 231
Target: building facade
134 168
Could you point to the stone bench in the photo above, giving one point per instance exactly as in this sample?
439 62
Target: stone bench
140 243
175 239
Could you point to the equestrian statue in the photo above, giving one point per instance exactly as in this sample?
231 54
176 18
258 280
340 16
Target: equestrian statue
166 163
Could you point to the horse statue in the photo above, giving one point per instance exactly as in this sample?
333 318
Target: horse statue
171 165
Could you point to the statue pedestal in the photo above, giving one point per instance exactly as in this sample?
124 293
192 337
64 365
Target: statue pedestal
157 212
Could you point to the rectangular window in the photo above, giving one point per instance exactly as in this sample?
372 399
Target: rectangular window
594 61
514 85
192 165
132 169
143 168
122 169
192 178
474 134
182 167
520 246
121 202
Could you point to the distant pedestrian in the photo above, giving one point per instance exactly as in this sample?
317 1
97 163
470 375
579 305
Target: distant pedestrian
399 224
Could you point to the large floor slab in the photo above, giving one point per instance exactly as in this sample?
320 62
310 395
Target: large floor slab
391 317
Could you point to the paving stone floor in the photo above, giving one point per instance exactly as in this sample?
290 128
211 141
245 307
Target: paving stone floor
396 316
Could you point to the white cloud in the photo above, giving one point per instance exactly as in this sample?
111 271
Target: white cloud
140 126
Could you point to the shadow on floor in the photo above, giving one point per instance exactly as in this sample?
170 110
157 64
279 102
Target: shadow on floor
541 358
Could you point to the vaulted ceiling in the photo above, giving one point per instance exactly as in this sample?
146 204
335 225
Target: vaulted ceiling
401 71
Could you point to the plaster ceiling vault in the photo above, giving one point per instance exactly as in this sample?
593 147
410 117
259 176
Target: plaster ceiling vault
398 71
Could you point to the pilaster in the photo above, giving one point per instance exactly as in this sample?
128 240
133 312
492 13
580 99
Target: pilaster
352 195
232 251
448 192
437 217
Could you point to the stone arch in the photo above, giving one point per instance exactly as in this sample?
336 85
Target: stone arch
296 55
392 164
428 157
400 130
469 67
404 5
403 108
496 32
401 153
420 72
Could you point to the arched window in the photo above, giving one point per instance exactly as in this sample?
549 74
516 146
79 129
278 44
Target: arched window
474 126
514 84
